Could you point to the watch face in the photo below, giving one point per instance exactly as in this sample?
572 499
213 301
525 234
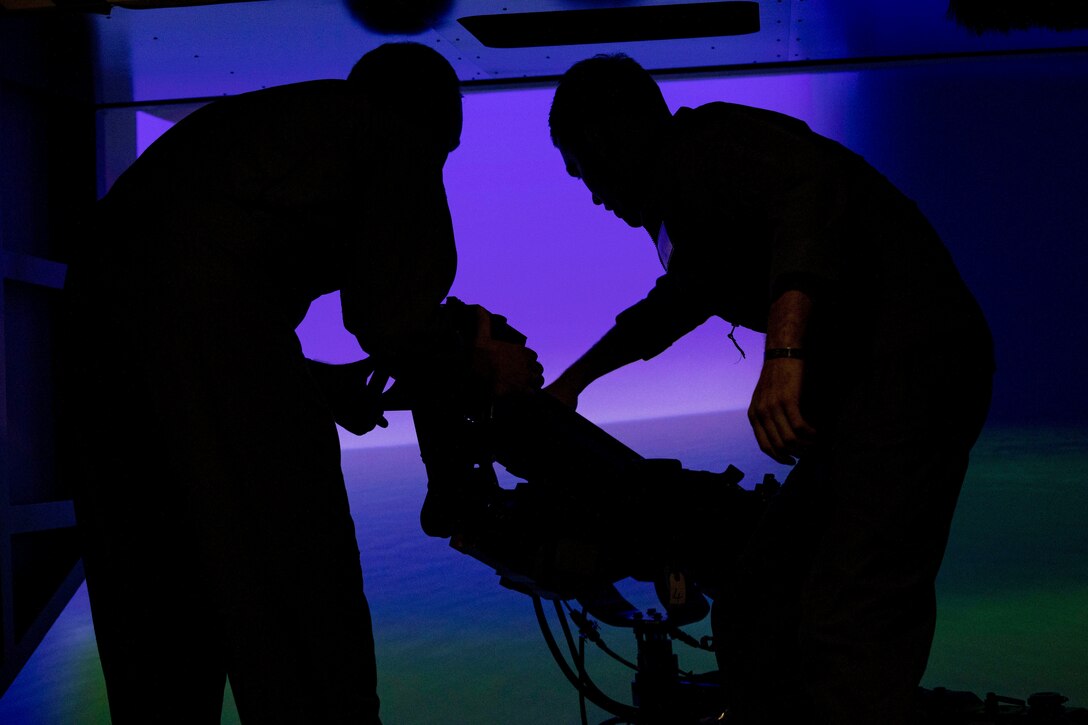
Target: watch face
664 246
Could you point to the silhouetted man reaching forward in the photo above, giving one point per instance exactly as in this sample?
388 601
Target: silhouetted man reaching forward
876 377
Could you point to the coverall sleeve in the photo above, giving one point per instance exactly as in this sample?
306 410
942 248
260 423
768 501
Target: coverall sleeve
673 308
806 248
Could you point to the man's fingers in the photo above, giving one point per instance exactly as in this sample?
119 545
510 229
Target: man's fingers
536 372
793 437
513 367
765 439
780 431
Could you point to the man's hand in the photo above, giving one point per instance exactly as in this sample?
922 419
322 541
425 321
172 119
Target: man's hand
505 367
354 393
775 412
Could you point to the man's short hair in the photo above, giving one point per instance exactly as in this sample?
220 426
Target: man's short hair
406 75
600 91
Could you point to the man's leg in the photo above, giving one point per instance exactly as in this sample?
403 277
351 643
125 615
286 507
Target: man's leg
894 474
156 633
281 544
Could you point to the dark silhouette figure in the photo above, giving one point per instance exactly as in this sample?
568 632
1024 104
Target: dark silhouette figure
876 377
210 498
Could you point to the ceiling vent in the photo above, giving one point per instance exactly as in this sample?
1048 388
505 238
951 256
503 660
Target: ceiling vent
613 25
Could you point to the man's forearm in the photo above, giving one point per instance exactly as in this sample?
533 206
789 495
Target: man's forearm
787 321
611 352
775 412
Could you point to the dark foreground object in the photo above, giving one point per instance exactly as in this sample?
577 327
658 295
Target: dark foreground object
591 512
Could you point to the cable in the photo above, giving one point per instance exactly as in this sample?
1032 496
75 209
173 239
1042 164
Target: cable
587 688
588 629
578 655
705 644
569 637
581 695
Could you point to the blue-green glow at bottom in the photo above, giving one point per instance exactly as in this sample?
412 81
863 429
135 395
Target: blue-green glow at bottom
455 647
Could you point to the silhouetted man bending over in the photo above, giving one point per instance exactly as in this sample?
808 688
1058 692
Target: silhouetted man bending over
876 377
210 498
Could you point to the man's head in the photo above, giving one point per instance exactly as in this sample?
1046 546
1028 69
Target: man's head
605 116
416 83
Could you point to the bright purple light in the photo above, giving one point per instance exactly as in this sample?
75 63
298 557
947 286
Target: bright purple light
534 248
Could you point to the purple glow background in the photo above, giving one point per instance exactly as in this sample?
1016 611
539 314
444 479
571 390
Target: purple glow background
993 151
534 248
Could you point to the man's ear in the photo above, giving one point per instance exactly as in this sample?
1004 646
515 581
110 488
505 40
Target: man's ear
594 133
598 139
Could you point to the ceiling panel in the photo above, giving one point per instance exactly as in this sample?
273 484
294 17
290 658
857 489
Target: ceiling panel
521 63
198 52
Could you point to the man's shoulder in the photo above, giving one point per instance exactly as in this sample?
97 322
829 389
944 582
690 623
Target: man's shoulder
295 94
260 108
715 111
324 86
700 135
286 113
723 113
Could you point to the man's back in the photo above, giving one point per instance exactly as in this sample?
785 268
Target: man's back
272 192
761 195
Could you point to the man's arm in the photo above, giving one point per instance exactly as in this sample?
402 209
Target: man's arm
611 352
672 309
775 411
